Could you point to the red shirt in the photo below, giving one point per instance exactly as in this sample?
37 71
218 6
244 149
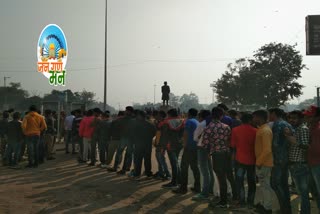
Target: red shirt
86 129
314 148
243 140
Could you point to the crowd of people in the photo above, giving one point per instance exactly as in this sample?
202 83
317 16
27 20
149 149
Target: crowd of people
221 145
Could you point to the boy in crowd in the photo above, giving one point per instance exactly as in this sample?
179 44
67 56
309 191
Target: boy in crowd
242 140
264 159
15 138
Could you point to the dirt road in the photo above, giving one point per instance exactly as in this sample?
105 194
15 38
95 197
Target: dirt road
64 186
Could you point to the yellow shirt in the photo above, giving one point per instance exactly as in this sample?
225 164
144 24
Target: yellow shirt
263 146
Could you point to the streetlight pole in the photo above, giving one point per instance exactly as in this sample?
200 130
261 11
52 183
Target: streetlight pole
105 60
318 96
5 88
154 94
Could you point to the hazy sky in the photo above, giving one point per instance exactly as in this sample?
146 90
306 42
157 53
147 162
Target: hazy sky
185 42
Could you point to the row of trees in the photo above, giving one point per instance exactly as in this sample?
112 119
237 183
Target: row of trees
267 79
14 96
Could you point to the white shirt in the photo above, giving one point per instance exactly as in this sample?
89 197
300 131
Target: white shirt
197 133
68 122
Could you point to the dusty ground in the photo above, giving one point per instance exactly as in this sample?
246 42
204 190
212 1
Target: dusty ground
64 186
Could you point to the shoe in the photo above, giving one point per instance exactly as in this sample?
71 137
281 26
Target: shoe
91 164
180 191
263 210
35 166
169 186
51 158
220 204
111 169
166 178
121 172
238 206
195 190
29 166
67 152
200 197
103 166
74 153
257 206
14 167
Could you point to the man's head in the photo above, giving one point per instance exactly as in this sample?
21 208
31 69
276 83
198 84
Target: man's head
296 118
275 114
162 115
233 114
217 113
96 112
260 117
129 111
32 108
121 113
16 116
165 83
77 113
89 113
203 114
47 112
5 115
246 118
140 115
192 113
223 106
106 115
172 112
312 114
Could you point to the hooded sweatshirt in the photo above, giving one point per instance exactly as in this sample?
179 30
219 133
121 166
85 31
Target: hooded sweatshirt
171 133
33 124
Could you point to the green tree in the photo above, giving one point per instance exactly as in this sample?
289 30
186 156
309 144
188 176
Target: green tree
188 101
268 79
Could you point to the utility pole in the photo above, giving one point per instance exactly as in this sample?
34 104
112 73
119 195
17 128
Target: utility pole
154 94
318 96
5 88
5 81
105 61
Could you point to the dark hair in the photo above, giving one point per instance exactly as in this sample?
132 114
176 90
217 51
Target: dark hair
16 115
120 113
263 114
73 112
106 114
297 113
47 112
130 109
246 118
89 113
141 114
173 112
217 113
97 111
77 111
223 106
193 112
162 114
277 111
204 114
5 115
233 113
33 108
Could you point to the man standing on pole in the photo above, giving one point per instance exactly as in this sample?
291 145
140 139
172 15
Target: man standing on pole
165 89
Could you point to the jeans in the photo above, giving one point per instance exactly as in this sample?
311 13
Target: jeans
142 152
162 164
13 148
300 174
86 148
112 147
264 174
250 170
103 150
129 157
223 168
315 176
93 150
279 183
121 147
189 158
42 149
33 150
173 157
205 165
68 140
48 140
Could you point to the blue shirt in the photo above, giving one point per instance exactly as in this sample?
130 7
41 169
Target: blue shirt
227 120
280 145
190 127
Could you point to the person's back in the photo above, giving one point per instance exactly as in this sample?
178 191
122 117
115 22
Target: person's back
243 140
144 132
190 127
14 132
3 126
33 124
